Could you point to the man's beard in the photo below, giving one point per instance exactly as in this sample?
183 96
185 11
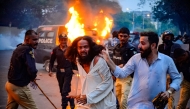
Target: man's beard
84 59
146 52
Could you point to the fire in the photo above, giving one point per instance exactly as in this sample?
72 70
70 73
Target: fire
74 27
101 24
107 27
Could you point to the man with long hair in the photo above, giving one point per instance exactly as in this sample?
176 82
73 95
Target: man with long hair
96 79
150 69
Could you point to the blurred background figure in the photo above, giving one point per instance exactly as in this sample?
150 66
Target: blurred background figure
112 42
178 39
182 61
168 47
186 40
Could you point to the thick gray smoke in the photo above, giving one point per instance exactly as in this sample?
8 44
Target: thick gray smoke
8 42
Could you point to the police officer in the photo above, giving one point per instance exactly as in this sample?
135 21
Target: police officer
168 48
21 72
64 70
121 54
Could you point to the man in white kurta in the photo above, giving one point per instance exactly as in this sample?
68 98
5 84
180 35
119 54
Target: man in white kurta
97 85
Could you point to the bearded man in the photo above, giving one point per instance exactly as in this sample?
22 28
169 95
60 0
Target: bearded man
150 69
96 79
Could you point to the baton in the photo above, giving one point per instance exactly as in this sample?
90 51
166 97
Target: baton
45 95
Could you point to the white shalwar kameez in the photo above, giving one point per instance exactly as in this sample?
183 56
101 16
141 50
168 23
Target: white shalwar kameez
97 85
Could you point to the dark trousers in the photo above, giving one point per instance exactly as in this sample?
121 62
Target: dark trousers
64 81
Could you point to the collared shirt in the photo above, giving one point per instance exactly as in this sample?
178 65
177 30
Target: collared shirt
22 68
148 80
62 62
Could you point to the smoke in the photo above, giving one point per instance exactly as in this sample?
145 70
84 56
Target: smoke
90 9
9 42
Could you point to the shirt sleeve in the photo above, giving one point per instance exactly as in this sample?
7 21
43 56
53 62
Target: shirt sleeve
104 88
30 63
52 60
126 70
174 75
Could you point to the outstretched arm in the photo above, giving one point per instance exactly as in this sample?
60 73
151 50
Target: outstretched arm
107 58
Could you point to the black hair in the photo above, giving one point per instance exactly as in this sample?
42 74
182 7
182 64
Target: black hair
152 37
178 52
124 30
115 34
178 37
29 33
71 53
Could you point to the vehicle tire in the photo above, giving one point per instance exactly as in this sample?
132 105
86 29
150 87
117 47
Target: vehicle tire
46 65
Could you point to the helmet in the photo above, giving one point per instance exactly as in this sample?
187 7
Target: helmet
168 33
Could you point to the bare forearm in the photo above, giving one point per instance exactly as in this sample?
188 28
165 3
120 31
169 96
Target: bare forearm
111 64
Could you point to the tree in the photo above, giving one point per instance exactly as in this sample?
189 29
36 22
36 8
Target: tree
27 13
122 19
176 12
125 19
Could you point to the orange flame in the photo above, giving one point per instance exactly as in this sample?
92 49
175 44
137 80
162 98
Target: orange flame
107 28
74 27
102 25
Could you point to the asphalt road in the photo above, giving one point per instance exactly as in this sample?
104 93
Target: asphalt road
48 84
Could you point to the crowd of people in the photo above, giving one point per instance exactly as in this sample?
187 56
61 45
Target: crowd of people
125 78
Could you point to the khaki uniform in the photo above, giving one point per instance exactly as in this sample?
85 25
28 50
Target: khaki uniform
19 96
123 87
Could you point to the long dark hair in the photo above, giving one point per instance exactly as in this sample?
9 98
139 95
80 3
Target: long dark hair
71 52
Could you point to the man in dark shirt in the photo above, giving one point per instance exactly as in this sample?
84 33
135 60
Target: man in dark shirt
168 46
64 71
182 60
121 54
21 72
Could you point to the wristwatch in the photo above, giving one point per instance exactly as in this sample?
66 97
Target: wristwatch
170 92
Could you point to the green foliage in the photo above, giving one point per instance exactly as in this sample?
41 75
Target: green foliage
27 13
125 19
168 26
176 12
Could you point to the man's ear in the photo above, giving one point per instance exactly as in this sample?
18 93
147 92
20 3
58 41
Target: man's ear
153 45
26 40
